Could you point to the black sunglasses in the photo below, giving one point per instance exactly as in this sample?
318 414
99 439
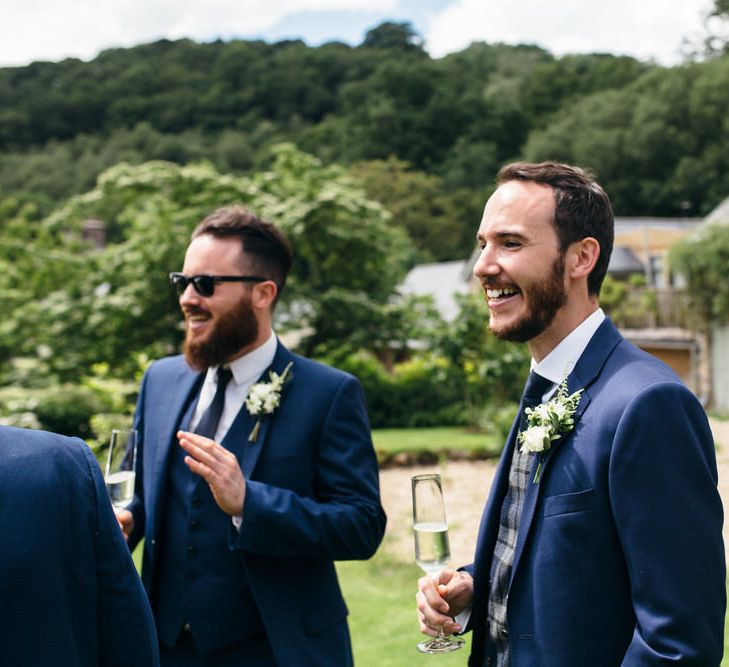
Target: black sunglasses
205 284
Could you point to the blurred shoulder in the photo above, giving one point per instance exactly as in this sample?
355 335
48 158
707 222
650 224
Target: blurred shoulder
34 451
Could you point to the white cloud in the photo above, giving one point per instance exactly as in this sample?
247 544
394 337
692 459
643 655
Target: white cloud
642 28
52 30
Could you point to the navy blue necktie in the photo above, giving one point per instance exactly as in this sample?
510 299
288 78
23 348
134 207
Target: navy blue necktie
208 424
536 386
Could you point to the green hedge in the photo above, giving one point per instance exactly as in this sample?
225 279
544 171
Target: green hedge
421 392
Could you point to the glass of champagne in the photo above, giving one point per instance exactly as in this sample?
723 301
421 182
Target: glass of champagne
432 551
120 467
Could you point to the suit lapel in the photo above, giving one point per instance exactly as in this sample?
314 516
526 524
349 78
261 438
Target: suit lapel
582 377
237 438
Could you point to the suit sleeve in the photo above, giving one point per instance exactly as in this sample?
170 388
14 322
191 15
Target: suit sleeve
344 519
136 507
669 517
126 632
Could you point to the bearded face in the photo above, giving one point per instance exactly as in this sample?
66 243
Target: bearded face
542 299
226 333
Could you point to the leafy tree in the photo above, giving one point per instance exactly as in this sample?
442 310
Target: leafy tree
434 221
493 371
86 305
391 35
716 38
702 259
662 139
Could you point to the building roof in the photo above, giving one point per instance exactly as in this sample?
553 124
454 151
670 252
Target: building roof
623 262
623 224
442 281
720 214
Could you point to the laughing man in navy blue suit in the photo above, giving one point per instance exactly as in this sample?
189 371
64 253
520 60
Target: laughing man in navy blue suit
242 527
605 548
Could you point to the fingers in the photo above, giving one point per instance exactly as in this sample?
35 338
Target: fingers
125 519
433 609
431 596
218 467
207 458
204 450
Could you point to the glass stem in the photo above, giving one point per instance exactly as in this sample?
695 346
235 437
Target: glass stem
435 576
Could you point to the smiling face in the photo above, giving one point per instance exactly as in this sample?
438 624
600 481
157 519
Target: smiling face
223 326
521 267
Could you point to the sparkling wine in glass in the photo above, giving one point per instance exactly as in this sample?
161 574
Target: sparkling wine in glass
120 467
432 551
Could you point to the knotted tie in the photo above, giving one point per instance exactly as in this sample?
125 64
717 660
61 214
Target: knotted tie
536 386
503 557
208 424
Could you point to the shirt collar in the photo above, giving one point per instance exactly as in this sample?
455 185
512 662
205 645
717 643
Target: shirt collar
562 359
250 367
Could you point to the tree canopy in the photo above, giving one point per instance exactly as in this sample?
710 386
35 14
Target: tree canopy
74 304
456 118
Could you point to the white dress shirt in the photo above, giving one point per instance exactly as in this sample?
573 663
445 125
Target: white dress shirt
246 370
558 364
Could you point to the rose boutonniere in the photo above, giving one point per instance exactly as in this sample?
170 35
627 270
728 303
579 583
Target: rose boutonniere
548 422
264 397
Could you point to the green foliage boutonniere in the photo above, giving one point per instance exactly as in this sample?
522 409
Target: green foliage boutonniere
264 397
548 422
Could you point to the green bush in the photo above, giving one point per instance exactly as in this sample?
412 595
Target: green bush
424 391
88 410
65 409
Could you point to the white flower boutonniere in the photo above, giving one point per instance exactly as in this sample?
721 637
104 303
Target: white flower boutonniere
548 422
264 397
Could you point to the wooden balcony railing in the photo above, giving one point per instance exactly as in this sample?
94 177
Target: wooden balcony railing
650 307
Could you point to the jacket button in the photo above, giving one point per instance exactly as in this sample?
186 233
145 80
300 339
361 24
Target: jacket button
192 551
190 576
196 501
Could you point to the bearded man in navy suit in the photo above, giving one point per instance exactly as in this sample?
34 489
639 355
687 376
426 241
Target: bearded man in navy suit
69 590
601 540
244 514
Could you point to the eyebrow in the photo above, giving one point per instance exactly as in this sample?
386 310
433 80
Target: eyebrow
505 235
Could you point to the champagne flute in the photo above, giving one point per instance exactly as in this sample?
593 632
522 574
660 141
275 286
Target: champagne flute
432 550
120 467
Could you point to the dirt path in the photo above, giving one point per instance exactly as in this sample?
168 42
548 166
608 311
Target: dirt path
466 485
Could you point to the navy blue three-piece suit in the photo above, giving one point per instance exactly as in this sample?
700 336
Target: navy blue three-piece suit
312 497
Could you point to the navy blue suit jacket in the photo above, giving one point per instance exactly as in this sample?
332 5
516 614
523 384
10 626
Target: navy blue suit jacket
619 557
312 497
68 588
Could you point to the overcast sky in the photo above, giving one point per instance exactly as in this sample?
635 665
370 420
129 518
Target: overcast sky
56 29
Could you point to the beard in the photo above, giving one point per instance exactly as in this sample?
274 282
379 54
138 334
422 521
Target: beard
543 299
232 331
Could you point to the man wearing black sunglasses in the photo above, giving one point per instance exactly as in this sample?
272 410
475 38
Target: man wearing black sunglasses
256 470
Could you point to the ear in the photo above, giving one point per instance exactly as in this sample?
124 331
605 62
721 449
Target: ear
264 294
581 257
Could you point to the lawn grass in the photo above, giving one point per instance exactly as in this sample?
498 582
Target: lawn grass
427 445
380 594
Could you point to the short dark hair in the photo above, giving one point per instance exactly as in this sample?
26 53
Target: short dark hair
263 243
581 208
